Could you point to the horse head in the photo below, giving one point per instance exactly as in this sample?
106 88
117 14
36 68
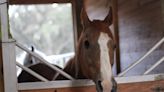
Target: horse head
96 51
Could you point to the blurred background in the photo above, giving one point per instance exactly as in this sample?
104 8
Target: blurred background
47 27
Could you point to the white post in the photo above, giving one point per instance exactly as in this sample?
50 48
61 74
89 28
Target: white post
142 58
8 52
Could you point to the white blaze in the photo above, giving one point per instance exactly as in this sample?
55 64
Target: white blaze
106 70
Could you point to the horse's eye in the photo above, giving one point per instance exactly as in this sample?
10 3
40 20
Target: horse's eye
86 44
115 46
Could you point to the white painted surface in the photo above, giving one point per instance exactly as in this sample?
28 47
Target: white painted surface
45 61
106 69
82 83
4 21
32 72
97 9
9 67
8 52
54 84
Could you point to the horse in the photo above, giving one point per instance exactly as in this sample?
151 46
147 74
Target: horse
35 65
94 57
95 54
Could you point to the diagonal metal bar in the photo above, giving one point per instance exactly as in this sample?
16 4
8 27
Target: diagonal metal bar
45 61
154 66
142 58
32 72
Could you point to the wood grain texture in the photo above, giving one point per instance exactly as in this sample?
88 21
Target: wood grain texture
1 76
162 4
140 28
116 33
76 89
127 87
142 87
37 1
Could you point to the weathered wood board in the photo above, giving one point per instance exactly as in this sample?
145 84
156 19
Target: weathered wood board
140 28
152 86
76 89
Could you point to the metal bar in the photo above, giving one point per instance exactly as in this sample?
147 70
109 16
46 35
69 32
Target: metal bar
45 61
154 66
32 72
142 58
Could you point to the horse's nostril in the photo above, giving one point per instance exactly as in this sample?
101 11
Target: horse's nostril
86 44
100 86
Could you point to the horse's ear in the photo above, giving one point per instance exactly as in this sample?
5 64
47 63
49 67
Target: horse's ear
84 18
109 18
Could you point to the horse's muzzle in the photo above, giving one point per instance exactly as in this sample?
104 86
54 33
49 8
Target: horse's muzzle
99 86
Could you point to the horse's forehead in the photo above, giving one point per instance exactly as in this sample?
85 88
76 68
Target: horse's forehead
96 31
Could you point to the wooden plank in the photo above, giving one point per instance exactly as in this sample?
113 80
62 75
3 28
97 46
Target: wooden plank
116 33
4 21
84 83
1 61
75 89
142 58
8 52
77 5
136 30
152 86
1 73
54 84
143 78
162 9
77 28
9 66
131 87
38 1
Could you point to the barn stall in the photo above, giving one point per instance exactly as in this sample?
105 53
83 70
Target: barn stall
138 29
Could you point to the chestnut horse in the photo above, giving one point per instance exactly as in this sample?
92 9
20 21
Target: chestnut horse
95 54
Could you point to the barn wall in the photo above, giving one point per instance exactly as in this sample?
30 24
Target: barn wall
140 27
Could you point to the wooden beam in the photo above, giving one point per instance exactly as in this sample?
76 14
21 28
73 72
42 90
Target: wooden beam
162 10
151 86
70 89
125 84
37 1
8 51
116 33
77 11
1 69
55 84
